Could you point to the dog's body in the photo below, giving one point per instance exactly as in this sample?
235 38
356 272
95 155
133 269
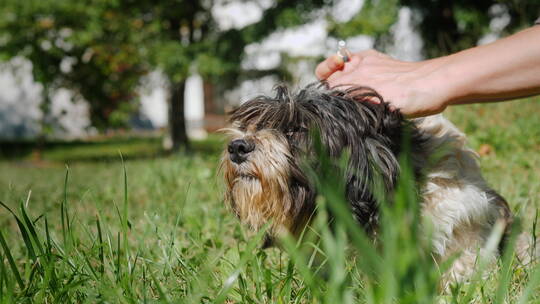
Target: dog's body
456 198
270 139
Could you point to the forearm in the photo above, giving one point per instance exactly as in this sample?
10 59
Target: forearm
506 69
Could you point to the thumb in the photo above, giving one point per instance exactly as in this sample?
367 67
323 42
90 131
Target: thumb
328 67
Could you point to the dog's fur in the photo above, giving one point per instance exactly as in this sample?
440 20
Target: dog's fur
270 185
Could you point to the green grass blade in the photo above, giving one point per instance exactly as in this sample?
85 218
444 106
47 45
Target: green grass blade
48 238
507 260
3 276
11 262
100 247
24 233
118 259
31 228
132 270
162 294
125 210
247 255
69 287
533 250
490 247
64 215
533 284
89 265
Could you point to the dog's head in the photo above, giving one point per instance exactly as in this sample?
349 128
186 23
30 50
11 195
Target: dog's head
270 142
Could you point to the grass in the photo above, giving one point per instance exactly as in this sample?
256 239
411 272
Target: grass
155 230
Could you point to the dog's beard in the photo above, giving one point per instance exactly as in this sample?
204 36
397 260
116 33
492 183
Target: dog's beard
258 188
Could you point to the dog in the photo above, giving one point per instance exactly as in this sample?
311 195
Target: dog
270 138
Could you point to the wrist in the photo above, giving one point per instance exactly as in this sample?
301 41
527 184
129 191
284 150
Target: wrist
454 79
437 78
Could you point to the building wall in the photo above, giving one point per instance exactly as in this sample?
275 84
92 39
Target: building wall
20 100
21 97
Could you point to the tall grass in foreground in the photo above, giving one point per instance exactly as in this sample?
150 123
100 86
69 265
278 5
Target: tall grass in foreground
334 263
397 267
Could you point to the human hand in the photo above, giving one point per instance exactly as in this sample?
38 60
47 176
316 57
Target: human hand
410 87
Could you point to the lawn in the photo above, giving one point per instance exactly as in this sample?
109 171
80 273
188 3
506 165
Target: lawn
154 228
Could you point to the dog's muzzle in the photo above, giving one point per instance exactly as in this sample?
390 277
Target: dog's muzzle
239 149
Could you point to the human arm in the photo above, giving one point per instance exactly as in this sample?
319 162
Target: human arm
505 69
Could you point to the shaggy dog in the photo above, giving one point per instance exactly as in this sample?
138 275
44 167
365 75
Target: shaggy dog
270 140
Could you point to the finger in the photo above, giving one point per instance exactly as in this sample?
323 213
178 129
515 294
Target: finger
328 67
334 79
340 78
345 82
373 53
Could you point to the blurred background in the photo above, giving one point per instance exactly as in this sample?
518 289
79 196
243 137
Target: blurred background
84 79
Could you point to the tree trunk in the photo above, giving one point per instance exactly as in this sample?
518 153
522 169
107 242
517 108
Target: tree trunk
210 106
177 119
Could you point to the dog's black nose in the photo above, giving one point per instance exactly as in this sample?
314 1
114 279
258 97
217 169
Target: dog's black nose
239 149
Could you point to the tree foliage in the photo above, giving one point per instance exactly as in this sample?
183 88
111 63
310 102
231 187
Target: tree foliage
449 26
101 48
81 45
446 26
374 19
109 44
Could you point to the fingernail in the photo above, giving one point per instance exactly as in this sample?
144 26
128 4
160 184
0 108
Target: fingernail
338 60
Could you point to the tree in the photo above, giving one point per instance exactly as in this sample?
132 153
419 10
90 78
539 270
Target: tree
79 45
374 19
186 35
446 26
111 44
450 26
